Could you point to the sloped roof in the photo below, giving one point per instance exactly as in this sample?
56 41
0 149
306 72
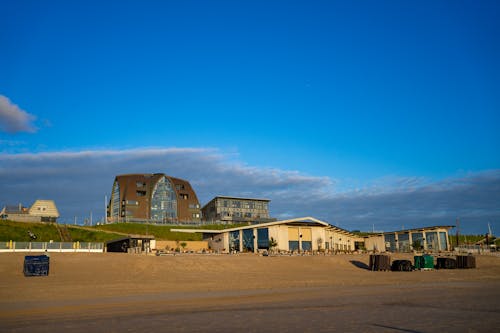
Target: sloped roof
46 208
304 221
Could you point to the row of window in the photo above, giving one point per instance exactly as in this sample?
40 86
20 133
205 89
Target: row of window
236 214
244 204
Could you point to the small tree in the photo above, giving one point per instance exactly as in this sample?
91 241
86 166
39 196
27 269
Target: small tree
417 246
320 243
183 245
272 244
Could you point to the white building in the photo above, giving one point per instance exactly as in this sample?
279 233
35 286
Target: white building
296 235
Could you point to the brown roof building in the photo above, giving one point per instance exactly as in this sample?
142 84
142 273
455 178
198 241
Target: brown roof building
153 198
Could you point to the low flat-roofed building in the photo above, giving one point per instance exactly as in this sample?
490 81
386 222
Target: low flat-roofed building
235 209
304 234
433 238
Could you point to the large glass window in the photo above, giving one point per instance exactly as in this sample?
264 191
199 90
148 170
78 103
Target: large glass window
234 240
248 240
390 242
443 242
163 201
432 240
306 245
115 200
404 242
417 241
263 238
293 245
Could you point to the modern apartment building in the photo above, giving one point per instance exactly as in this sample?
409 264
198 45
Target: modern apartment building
154 198
234 209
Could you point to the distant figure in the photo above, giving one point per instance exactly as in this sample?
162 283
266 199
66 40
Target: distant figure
32 235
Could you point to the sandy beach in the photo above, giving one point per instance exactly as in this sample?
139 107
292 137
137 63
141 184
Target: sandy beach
246 293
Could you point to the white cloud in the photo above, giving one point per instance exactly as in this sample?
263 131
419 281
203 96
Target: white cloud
13 119
78 181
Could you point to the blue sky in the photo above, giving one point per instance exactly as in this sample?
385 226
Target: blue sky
360 113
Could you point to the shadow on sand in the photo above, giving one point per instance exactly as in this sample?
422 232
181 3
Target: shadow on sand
360 264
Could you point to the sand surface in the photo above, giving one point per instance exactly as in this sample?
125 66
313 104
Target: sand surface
244 293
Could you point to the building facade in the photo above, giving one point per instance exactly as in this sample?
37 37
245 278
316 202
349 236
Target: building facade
433 239
156 198
40 211
298 235
233 209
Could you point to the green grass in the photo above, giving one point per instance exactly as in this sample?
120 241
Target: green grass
163 232
18 231
83 235
160 232
465 239
45 232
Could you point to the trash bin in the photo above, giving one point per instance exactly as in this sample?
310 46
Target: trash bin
36 265
401 266
419 262
446 263
424 262
428 261
380 262
466 261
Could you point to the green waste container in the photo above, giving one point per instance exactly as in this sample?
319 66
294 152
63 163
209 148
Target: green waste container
419 262
424 262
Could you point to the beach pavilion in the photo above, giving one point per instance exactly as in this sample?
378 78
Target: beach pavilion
297 235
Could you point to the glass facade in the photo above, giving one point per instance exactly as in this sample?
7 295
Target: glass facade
163 201
404 242
293 245
263 238
306 246
115 200
390 242
432 240
248 240
234 240
417 240
443 241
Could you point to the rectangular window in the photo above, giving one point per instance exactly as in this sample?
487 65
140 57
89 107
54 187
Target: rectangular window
224 203
140 193
184 196
263 238
236 204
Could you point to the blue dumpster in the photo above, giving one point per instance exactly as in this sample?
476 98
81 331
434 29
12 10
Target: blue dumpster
36 265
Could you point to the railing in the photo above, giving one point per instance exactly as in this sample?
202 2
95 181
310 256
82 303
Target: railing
11 246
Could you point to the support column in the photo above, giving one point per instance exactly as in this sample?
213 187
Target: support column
424 240
241 241
255 246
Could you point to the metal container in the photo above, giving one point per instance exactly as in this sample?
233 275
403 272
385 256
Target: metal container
36 265
380 262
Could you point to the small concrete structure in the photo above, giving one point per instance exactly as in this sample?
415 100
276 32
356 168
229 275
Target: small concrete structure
131 244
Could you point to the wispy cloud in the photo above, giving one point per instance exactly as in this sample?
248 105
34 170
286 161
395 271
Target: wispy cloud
78 181
13 119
